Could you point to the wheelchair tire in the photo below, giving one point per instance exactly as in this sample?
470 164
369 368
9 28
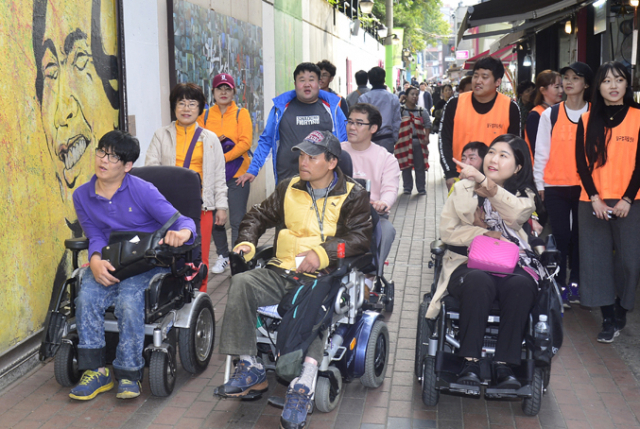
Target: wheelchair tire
430 395
389 299
326 397
531 406
423 333
196 342
65 366
377 356
162 374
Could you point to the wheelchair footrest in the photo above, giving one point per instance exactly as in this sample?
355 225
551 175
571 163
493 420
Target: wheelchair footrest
495 393
276 401
464 389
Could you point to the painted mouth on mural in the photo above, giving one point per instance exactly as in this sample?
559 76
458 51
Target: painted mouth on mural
71 153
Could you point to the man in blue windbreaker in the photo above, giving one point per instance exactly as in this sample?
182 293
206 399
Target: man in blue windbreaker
295 114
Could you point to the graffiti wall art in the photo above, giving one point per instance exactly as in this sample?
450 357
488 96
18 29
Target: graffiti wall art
59 89
206 43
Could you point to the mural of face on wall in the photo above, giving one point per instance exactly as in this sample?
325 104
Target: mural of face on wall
75 44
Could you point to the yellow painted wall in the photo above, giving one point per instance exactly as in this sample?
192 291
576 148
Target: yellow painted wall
47 140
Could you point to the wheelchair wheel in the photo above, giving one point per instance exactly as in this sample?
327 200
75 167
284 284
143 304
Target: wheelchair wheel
196 342
327 397
162 373
430 395
423 334
389 299
531 406
65 366
377 356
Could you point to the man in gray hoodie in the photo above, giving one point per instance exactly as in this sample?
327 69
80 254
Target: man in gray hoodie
389 107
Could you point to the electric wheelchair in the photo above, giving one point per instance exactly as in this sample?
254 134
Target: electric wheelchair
176 315
437 365
357 343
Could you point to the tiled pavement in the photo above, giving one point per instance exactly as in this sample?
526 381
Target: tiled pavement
591 386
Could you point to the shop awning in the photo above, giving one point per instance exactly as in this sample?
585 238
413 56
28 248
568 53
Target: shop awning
523 15
506 55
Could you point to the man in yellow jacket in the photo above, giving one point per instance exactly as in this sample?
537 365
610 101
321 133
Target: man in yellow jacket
306 242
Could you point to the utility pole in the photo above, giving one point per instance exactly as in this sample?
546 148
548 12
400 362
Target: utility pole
389 20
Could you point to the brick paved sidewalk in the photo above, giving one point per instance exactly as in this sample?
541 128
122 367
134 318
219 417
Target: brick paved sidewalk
591 386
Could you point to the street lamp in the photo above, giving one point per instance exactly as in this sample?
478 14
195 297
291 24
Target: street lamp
366 6
527 61
634 3
567 27
382 31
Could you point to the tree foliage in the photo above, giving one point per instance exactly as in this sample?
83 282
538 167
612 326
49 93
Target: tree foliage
421 20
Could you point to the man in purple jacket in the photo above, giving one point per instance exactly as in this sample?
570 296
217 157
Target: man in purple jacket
116 201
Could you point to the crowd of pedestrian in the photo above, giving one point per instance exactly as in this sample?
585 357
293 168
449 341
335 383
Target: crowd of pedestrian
565 151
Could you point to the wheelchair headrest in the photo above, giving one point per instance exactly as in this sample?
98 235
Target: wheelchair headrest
180 186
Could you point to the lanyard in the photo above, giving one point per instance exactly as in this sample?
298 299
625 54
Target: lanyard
324 206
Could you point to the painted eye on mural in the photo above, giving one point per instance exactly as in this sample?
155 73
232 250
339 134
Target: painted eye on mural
81 60
50 70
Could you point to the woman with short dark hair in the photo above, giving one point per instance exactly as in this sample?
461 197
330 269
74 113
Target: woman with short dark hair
184 143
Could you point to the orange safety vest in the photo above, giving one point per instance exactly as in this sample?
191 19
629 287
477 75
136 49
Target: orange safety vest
561 169
471 126
538 109
613 178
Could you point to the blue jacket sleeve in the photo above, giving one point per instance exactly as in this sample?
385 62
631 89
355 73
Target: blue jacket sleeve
266 143
397 119
340 126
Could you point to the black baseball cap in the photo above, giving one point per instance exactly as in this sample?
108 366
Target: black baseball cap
319 142
581 69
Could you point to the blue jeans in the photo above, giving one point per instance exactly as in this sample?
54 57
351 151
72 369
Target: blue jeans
128 298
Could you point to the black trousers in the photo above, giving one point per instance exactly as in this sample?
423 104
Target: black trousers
477 290
561 203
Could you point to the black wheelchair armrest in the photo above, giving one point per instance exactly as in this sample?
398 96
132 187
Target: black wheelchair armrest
438 247
81 243
357 263
264 252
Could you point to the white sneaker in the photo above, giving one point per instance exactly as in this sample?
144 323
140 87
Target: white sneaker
220 265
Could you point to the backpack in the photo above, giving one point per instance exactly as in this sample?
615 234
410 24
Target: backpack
555 110
306 311
548 302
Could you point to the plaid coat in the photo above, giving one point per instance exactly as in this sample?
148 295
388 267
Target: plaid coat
403 149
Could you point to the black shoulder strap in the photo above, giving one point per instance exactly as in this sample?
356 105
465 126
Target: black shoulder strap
555 109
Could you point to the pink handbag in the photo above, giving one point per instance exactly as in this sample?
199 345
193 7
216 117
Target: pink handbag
489 254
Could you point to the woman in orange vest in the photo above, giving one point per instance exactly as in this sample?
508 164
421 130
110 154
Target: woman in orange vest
548 93
234 128
608 162
555 170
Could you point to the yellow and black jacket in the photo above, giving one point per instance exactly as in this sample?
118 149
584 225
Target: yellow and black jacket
290 210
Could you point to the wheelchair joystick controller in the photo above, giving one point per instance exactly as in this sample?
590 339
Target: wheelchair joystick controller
341 252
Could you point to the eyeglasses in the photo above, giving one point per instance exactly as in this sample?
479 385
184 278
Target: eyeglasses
191 105
111 157
357 124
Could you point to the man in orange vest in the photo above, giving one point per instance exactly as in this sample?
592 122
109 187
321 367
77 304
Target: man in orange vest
481 115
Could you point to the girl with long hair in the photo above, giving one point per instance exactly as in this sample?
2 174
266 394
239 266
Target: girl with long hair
555 171
608 161
548 93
